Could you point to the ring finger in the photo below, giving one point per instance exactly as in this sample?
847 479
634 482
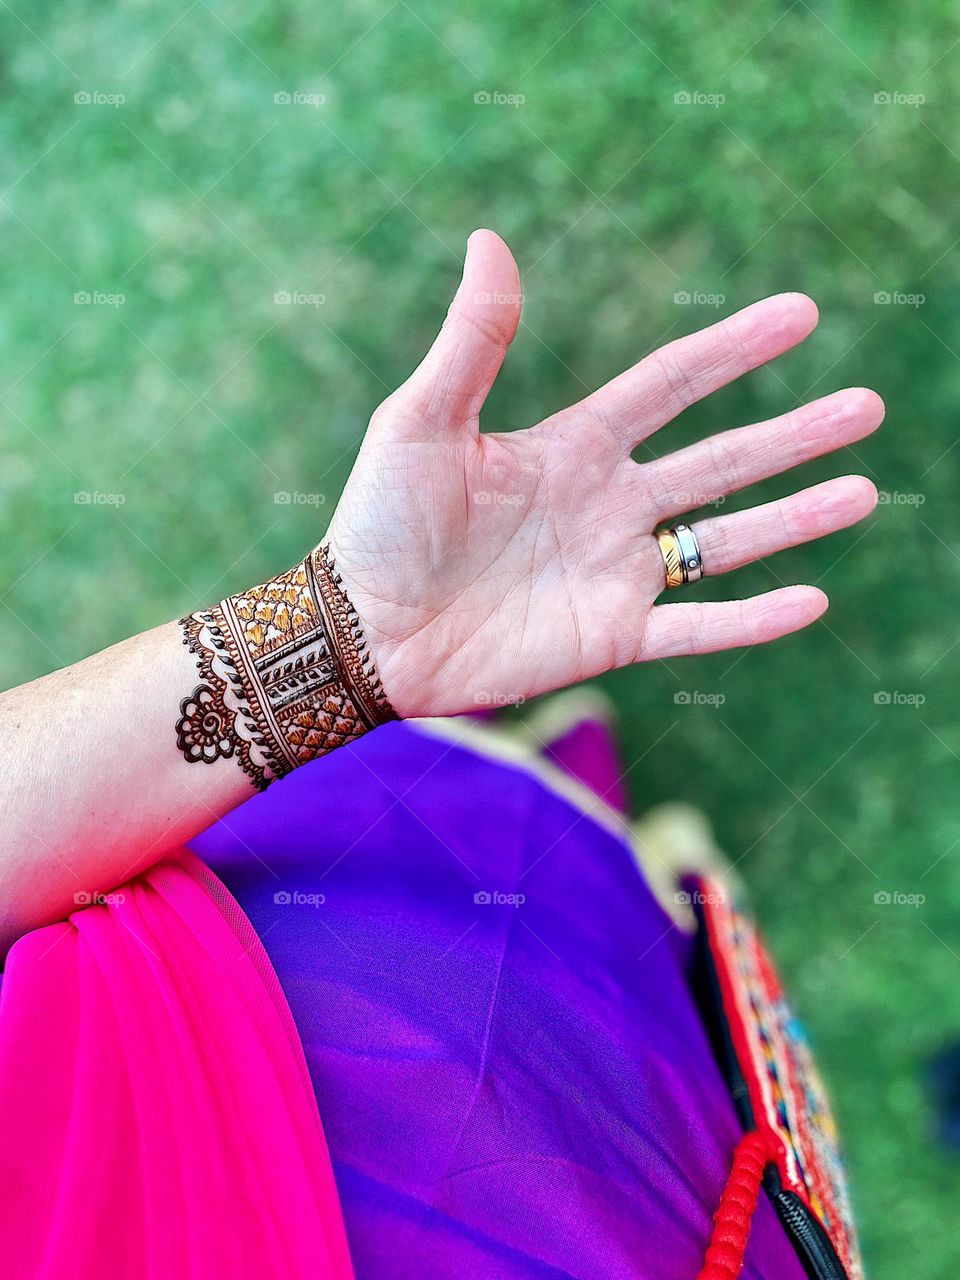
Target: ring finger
731 541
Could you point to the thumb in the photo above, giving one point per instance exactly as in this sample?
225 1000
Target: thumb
449 386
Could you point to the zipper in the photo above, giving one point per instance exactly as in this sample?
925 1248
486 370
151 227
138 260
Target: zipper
816 1251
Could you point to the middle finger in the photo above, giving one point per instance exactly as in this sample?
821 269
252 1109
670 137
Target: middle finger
712 468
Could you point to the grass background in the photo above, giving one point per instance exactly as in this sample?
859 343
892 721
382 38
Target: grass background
199 398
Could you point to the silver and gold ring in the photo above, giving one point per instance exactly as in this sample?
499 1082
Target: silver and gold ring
681 555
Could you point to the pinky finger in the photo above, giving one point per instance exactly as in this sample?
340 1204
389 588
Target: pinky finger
676 629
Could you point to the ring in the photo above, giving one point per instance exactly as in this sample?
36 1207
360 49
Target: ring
681 555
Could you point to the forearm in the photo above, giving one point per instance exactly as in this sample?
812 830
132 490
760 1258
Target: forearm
95 787
123 757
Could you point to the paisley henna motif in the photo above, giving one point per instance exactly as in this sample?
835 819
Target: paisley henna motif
285 674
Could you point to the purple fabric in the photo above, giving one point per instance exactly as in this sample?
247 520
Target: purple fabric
508 1089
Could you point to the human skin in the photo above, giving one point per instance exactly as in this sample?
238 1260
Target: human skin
483 566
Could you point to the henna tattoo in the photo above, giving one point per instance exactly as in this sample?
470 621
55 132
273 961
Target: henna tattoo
285 674
203 730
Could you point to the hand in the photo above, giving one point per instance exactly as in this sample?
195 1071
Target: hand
489 567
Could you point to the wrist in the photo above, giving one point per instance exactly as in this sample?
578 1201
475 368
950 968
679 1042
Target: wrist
285 674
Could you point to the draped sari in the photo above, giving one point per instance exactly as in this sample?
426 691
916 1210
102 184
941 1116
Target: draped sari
414 1011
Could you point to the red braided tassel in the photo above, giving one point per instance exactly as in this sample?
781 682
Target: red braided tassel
731 1230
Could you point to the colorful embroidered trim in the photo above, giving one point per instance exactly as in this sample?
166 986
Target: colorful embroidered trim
788 1102
285 674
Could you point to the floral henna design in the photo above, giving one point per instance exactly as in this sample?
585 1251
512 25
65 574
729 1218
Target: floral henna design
285 674
203 730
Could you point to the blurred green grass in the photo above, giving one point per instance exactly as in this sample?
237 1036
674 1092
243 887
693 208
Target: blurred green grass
199 398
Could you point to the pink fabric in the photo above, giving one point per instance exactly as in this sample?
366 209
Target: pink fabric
156 1115
587 751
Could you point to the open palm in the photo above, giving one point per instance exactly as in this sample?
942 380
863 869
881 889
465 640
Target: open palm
487 568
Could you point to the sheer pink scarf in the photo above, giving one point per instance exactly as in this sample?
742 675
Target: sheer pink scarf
156 1114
